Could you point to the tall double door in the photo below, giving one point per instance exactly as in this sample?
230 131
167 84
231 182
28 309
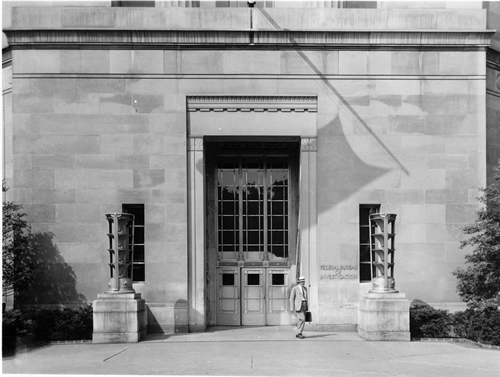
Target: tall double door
253 296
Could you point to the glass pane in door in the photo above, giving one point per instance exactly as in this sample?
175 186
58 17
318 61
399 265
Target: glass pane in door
253 296
228 295
228 210
253 208
277 214
277 297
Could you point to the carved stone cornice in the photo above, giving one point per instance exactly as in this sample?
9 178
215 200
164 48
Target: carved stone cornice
256 39
252 103
6 57
493 59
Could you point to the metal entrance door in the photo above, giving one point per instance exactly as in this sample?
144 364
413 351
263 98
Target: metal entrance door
252 205
253 296
228 297
278 312
256 297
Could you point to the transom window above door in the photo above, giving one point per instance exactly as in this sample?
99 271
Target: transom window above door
253 207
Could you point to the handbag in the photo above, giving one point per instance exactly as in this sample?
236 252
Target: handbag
309 317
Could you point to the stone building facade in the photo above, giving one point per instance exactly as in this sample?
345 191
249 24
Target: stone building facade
252 143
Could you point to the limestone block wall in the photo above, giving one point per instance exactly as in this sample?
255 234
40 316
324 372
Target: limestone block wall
388 133
85 144
493 91
493 114
406 132
403 127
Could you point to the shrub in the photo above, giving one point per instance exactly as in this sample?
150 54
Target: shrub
479 325
428 322
73 325
42 324
10 321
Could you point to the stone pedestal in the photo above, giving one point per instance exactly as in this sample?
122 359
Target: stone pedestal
119 318
384 316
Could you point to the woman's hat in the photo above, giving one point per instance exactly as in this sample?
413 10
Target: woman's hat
301 278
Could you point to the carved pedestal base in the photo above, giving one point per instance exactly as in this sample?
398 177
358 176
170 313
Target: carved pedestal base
119 318
384 316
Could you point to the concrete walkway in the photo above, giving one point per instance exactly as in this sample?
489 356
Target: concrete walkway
258 351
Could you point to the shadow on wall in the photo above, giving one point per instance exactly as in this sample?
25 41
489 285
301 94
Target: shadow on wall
344 165
181 316
181 320
53 282
153 324
343 103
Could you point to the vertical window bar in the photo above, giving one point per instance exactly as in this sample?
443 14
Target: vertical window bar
220 210
227 205
278 203
240 209
265 209
253 208
138 264
365 243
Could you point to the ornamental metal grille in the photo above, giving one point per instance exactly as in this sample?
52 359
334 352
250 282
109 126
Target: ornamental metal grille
253 207
138 264
365 265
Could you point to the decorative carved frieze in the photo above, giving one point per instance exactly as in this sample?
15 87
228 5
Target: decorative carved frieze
309 144
195 144
252 103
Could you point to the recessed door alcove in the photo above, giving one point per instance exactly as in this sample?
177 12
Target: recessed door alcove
289 121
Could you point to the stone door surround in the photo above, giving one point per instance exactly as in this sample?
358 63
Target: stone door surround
248 116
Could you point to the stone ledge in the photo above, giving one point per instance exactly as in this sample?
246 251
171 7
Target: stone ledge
384 295
118 337
337 328
83 341
397 336
119 296
118 306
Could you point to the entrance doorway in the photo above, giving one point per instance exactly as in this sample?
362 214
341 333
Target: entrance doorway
252 189
253 296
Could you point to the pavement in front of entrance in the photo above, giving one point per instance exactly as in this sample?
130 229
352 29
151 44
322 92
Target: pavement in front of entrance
257 351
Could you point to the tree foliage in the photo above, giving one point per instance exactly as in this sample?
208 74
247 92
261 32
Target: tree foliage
479 282
16 240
